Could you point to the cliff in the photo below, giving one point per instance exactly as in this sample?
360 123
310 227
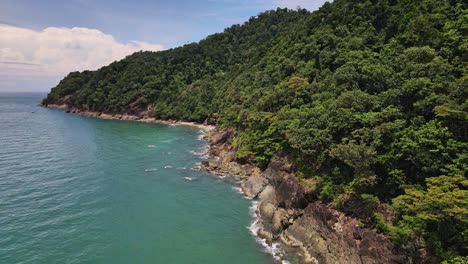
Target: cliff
309 230
368 99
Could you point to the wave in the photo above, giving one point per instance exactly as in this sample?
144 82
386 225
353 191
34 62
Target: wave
152 169
201 137
275 248
151 146
188 178
238 189
197 166
168 167
200 152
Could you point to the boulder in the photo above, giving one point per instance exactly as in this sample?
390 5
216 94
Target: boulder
279 218
253 186
268 195
267 211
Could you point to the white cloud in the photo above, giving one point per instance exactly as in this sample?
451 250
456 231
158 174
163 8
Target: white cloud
54 52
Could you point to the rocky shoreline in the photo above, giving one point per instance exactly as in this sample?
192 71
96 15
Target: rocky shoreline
294 217
141 117
287 213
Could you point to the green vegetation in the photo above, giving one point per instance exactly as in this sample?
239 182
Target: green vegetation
369 97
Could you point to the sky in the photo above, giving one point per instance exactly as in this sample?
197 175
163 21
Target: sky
42 41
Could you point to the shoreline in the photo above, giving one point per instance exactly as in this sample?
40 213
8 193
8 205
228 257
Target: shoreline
288 220
129 117
222 163
291 219
209 133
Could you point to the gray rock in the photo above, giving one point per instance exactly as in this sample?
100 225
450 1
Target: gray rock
267 210
268 195
253 186
262 233
277 221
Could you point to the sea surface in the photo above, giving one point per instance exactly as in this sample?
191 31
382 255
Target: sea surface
84 190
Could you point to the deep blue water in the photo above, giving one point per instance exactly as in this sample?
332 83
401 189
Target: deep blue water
84 190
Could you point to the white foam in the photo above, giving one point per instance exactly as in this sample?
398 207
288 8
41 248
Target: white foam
188 178
275 248
238 189
152 169
151 146
181 168
168 167
200 152
201 137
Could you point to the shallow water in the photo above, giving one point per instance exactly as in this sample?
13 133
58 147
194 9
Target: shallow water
84 190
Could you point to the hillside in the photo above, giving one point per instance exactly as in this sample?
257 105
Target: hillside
367 97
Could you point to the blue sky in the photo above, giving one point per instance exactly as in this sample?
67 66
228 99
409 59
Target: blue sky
52 26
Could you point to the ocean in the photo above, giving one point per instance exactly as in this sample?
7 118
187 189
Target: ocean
75 189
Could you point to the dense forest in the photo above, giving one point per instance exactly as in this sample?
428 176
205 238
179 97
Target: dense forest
368 97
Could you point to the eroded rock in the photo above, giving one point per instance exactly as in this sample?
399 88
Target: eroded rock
253 186
267 211
268 195
288 213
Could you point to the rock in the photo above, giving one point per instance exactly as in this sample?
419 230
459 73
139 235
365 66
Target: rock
277 222
268 195
220 137
288 192
292 215
262 233
253 186
357 233
282 163
209 165
267 211
233 168
334 238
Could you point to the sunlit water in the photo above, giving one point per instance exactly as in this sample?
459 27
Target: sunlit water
84 190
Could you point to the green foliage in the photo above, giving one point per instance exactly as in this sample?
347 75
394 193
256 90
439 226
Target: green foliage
439 212
370 97
456 260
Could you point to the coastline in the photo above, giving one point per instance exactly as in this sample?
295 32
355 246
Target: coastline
287 217
290 218
211 135
144 117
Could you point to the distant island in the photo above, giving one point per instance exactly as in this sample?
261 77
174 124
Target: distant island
350 122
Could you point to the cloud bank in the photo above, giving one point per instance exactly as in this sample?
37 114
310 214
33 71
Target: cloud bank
26 54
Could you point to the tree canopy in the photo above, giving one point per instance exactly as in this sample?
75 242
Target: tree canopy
368 97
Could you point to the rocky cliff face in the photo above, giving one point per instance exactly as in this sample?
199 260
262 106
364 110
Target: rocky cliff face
306 227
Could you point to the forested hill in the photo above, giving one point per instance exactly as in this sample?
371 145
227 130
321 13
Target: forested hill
368 97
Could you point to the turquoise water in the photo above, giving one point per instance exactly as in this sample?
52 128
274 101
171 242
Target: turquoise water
84 190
